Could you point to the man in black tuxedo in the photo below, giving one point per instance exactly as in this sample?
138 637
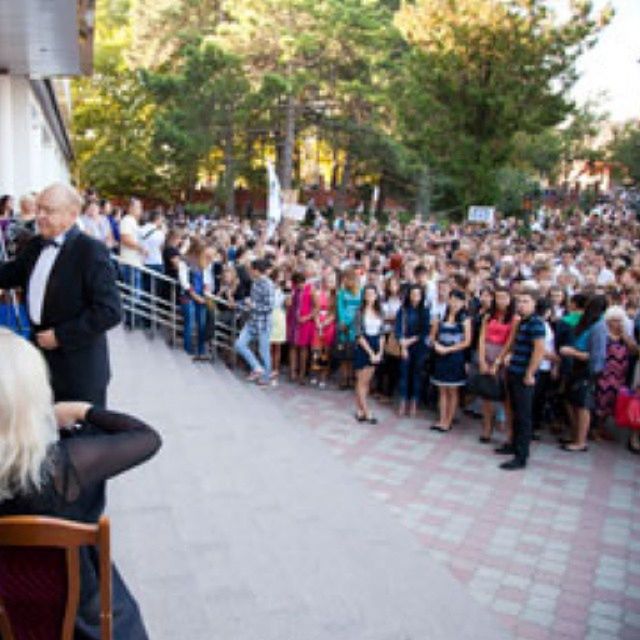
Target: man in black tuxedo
71 296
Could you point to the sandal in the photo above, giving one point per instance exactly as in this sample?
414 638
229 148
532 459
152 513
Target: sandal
371 419
439 428
254 375
360 417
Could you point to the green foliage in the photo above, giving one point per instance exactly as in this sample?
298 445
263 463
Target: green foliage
625 149
479 72
514 185
428 99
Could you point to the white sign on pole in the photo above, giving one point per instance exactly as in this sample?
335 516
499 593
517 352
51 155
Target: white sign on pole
482 215
294 212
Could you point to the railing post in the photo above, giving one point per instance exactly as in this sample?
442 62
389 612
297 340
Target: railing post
153 320
174 314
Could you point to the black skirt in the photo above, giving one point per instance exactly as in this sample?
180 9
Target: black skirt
361 358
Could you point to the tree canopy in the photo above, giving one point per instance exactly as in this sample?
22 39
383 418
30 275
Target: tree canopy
429 99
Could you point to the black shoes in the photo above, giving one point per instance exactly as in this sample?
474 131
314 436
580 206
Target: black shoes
505 449
513 465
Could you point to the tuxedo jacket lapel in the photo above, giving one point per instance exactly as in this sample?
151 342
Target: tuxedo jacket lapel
54 291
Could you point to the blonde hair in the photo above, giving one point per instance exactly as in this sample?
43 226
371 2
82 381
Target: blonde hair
27 421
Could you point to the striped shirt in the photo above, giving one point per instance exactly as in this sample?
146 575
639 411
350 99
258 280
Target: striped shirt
529 330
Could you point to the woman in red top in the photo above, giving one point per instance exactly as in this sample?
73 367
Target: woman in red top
496 332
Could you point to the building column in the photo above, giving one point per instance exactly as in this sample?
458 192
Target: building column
7 158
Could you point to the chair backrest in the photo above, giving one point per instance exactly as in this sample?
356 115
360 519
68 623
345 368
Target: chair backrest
40 576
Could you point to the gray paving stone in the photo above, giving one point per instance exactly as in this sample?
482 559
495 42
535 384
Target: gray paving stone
245 527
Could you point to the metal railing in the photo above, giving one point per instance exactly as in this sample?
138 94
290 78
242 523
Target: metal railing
152 300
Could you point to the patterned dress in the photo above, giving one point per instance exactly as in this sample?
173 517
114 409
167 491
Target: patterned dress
613 376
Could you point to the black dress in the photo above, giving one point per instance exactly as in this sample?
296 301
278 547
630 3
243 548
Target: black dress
78 466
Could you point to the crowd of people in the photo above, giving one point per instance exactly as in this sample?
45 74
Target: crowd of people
525 327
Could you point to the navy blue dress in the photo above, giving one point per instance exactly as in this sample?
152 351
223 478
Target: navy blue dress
449 370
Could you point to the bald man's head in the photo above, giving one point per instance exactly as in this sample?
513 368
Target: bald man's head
57 208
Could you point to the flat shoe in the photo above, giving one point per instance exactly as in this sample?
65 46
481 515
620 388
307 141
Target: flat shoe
439 428
570 449
360 418
484 439
372 420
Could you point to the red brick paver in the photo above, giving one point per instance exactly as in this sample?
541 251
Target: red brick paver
553 550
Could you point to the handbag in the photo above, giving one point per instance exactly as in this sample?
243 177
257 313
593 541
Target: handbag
486 386
627 409
392 345
343 349
16 318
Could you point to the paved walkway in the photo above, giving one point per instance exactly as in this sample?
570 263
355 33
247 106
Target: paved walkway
245 527
554 551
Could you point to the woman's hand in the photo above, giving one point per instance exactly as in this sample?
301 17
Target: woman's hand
68 413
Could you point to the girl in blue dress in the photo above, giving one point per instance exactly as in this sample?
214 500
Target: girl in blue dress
450 337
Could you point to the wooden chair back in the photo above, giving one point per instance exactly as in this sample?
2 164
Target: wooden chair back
40 576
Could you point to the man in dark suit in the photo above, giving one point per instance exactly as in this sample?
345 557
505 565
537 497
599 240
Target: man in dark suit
71 295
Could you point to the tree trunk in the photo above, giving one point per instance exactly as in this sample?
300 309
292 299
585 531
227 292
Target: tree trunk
423 200
229 172
341 199
289 143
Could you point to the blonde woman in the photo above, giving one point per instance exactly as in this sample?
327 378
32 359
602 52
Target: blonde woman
56 460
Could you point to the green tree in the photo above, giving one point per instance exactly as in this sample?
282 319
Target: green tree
625 149
203 95
479 72
112 126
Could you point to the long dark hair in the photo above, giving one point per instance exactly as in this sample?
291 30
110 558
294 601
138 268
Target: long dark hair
422 311
596 306
508 312
376 305
462 314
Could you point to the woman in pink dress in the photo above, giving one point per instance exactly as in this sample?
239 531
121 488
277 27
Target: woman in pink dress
324 330
293 307
305 322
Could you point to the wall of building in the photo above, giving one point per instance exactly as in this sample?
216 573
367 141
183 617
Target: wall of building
30 157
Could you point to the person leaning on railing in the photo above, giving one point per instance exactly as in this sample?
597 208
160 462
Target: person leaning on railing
56 461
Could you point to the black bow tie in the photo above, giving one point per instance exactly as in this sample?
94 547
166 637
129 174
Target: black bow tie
50 242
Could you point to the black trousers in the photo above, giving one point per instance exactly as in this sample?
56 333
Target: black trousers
521 400
540 398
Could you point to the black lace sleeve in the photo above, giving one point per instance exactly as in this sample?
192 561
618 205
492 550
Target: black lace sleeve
109 444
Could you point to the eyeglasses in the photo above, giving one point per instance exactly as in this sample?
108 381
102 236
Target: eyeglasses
47 210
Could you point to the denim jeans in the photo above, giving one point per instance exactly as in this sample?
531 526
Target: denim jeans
132 278
411 373
194 315
264 338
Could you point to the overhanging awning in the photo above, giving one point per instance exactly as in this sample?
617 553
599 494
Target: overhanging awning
46 38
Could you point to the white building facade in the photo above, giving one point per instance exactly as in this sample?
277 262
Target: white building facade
42 44
34 145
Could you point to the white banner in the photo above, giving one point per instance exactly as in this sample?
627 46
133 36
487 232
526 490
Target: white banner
274 200
483 215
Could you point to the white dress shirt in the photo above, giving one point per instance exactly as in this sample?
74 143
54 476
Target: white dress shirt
40 278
